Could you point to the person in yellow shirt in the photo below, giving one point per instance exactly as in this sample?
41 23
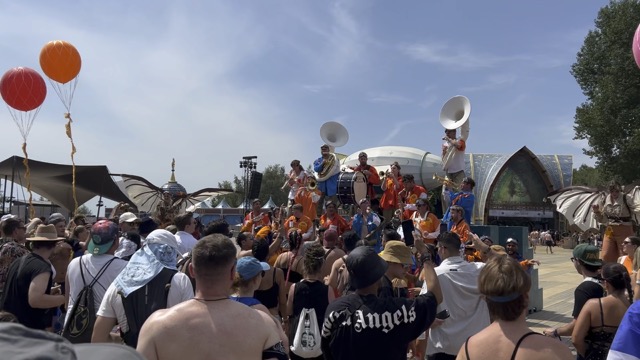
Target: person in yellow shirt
426 222
308 198
298 221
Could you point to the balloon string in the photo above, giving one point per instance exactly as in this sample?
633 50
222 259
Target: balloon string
67 128
27 175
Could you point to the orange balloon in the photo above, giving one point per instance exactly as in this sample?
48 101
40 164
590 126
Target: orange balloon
60 61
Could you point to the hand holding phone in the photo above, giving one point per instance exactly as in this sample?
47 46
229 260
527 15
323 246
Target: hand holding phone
444 314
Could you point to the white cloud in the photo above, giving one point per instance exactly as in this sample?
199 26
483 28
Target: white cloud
385 98
454 58
492 82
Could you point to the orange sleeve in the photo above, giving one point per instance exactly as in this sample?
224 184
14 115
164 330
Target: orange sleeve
462 145
374 178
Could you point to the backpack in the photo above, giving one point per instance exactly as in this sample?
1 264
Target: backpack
183 267
140 304
79 328
306 341
343 287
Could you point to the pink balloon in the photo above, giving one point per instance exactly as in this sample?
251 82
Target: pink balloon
636 46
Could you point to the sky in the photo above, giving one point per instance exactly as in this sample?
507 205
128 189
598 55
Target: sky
208 82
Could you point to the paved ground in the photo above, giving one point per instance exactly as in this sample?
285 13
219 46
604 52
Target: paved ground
558 278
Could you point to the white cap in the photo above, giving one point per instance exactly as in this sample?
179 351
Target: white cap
128 217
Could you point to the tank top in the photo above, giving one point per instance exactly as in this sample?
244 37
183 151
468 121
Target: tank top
269 297
598 340
309 295
515 350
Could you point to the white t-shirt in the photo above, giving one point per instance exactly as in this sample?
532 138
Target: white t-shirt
186 242
91 265
111 306
300 179
456 163
469 313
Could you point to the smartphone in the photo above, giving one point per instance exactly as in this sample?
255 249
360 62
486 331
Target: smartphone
444 314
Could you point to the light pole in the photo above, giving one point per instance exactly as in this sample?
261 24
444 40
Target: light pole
248 163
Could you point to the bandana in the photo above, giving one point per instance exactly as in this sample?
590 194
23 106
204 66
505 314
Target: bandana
145 264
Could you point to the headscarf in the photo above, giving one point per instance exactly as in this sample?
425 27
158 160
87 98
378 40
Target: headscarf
160 251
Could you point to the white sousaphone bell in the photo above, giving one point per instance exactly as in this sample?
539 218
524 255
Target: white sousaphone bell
334 134
455 114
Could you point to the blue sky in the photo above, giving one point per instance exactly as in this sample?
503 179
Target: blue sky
207 82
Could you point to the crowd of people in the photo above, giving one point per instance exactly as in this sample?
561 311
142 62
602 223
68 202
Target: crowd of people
389 281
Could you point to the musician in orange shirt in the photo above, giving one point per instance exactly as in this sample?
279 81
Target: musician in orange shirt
255 217
373 178
460 226
411 194
308 198
391 185
332 220
298 221
426 222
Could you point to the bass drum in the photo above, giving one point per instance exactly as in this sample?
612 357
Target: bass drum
352 187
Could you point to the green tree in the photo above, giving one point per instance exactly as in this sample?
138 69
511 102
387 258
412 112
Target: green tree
84 210
587 176
607 74
273 177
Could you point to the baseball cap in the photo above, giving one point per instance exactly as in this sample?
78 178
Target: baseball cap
588 254
249 267
55 218
21 343
512 241
7 217
103 234
396 252
128 217
365 267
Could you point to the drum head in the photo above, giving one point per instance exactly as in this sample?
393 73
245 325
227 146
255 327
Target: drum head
352 187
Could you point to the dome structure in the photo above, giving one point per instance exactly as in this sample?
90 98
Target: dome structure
173 187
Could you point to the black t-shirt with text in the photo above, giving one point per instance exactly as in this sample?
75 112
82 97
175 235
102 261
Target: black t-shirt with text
586 290
369 327
16 291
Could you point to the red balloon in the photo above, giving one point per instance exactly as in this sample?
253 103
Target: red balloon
23 89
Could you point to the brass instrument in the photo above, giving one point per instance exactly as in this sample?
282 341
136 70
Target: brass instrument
312 185
445 181
455 114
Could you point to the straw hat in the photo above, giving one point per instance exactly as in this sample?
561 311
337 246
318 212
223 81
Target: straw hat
45 233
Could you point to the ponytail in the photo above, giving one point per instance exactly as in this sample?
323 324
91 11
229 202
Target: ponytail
627 282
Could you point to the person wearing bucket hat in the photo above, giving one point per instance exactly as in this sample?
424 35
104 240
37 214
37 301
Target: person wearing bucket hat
397 255
28 292
350 329
587 262
99 260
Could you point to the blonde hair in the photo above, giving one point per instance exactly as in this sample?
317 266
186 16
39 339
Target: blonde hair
505 286
636 259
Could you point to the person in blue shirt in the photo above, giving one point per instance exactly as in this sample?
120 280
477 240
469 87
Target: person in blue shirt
366 222
464 198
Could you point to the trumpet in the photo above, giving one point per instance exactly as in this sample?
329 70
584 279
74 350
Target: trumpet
446 182
312 185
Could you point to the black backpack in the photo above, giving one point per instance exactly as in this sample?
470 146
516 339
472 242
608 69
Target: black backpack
140 304
79 328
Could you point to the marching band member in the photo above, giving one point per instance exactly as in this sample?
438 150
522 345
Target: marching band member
255 217
616 213
391 186
454 167
460 226
308 196
365 222
410 195
332 220
373 178
327 169
297 179
464 198
298 221
426 222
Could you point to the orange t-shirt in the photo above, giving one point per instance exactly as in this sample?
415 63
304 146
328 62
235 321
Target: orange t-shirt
303 224
337 222
411 198
304 197
249 225
427 225
461 228
390 196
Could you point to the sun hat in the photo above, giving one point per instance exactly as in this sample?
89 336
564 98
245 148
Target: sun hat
249 267
46 233
103 234
396 252
365 267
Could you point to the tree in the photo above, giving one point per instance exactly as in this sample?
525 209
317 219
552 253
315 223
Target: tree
272 179
587 176
84 210
607 74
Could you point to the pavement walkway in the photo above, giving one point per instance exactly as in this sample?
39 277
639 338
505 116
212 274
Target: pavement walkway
558 278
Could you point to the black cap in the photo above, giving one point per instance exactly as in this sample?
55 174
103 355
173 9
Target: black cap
365 267
469 181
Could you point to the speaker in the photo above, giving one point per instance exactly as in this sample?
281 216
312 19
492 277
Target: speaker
254 185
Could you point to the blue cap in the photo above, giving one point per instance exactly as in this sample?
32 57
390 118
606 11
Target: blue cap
249 267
